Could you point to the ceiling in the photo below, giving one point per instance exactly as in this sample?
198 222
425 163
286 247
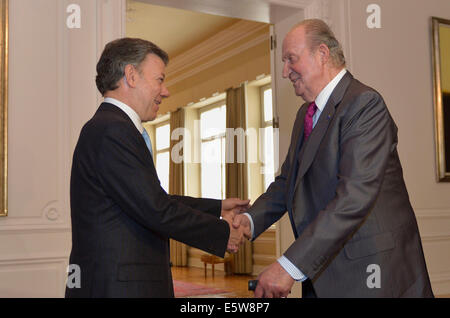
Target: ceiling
174 30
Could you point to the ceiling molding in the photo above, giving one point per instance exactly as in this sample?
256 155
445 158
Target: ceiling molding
183 65
256 10
300 4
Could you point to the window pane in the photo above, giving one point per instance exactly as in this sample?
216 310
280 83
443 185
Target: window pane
268 145
223 168
268 105
162 168
163 137
212 122
211 169
268 179
212 151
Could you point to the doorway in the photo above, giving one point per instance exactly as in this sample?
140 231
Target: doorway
217 16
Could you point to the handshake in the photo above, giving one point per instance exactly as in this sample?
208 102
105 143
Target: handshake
240 229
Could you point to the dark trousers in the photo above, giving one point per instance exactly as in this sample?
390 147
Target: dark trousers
308 289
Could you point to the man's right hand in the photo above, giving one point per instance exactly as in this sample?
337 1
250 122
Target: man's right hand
236 237
242 222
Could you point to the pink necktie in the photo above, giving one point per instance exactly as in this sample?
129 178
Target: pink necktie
308 126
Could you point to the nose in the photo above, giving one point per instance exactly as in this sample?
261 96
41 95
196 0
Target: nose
286 70
164 91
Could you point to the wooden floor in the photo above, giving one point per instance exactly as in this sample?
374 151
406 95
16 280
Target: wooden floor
235 285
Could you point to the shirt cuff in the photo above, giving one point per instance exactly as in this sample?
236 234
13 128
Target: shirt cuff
292 270
251 225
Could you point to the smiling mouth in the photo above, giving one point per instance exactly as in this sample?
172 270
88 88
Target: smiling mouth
294 80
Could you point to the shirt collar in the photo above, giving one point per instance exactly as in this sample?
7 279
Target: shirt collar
324 95
127 110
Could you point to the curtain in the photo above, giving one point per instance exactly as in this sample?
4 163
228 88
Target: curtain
178 251
236 167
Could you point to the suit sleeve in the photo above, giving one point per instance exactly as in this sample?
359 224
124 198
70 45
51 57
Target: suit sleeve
210 206
366 142
128 176
271 205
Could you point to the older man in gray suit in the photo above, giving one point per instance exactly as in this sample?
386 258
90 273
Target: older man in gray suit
342 185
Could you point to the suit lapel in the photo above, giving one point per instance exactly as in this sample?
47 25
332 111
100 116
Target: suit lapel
107 107
300 131
309 149
294 159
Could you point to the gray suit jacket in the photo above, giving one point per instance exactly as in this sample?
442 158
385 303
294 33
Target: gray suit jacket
347 201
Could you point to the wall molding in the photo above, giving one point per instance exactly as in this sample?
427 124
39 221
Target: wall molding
52 218
51 258
50 211
48 274
432 213
440 282
430 224
35 229
435 238
300 4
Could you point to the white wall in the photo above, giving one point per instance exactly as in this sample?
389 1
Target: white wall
51 95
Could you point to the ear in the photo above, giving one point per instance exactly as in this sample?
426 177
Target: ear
130 75
324 53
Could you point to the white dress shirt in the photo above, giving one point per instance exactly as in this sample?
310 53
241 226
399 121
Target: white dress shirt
324 95
321 101
129 111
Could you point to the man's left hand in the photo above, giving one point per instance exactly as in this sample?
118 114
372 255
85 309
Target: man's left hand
233 206
274 282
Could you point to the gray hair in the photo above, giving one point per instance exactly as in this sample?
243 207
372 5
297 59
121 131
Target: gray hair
318 32
118 54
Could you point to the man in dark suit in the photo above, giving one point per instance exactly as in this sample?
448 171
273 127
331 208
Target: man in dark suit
121 217
342 184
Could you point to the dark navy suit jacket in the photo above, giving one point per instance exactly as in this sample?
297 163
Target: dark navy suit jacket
121 217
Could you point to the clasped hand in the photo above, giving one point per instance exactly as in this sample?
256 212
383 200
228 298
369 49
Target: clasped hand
232 210
273 281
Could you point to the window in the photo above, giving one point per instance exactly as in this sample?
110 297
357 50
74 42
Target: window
212 132
162 155
267 136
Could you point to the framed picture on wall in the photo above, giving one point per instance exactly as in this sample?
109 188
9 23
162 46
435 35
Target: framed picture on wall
4 107
441 81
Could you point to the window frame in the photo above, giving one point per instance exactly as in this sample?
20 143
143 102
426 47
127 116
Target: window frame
265 124
262 89
220 136
163 150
